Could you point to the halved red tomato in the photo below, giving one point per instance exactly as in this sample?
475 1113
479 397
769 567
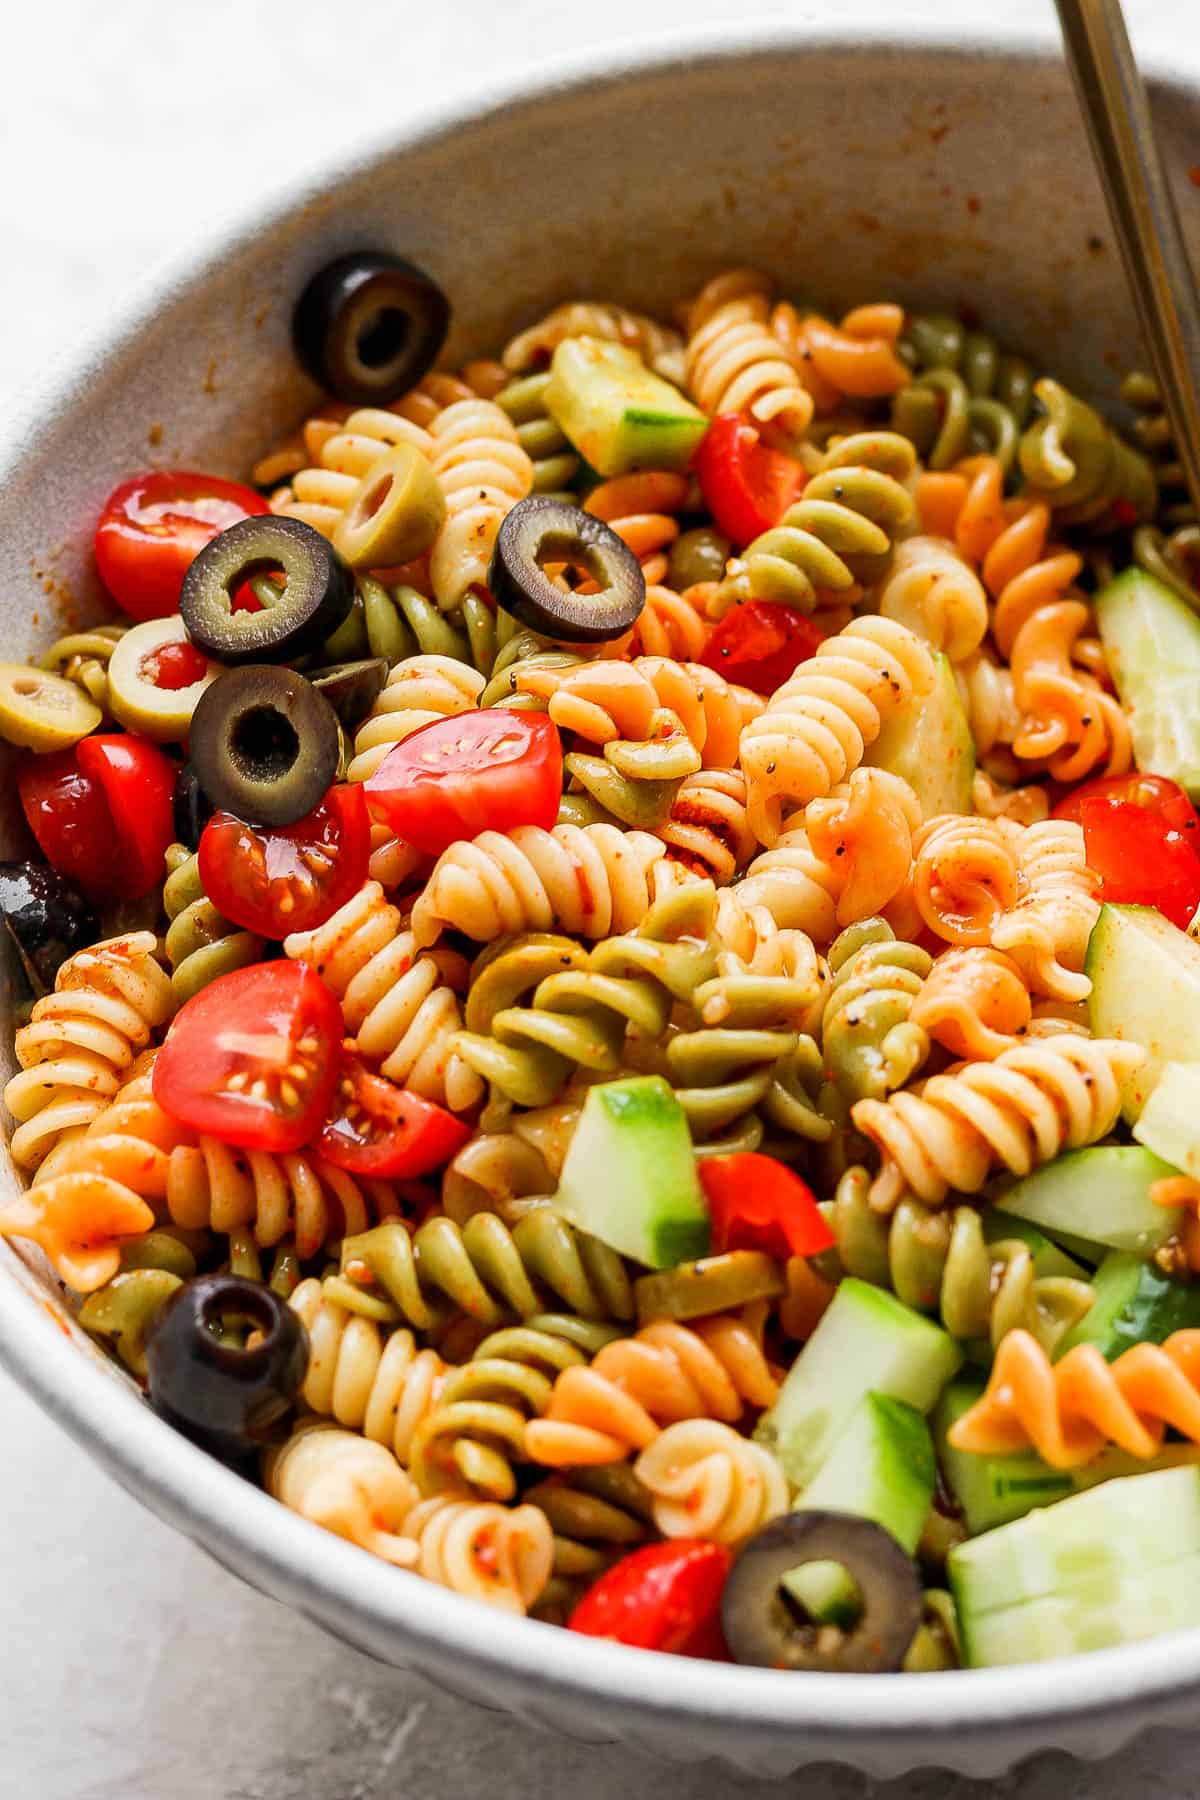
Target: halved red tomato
101 813
1141 859
663 1597
292 878
747 487
253 1058
151 527
759 645
377 1128
482 771
1157 793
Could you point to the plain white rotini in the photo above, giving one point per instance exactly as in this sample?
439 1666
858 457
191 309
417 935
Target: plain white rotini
707 1481
708 830
363 1377
343 453
502 1555
1015 1112
935 592
398 1004
661 347
735 363
817 726
107 1002
588 880
219 1187
1046 932
482 471
418 690
347 1485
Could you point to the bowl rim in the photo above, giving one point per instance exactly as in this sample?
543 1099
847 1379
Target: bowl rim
296 1561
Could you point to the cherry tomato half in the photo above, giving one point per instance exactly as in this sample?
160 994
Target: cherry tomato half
1141 859
758 645
253 1057
101 813
1157 793
746 486
755 1203
484 771
151 527
379 1129
663 1597
293 878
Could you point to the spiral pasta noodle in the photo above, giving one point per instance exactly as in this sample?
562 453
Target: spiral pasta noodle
708 830
941 1261
588 880
838 535
934 591
502 1555
734 362
399 1005
871 1039
968 395
555 464
641 509
482 471
708 1481
644 709
483 1269
215 1185
659 345
1068 1411
348 1485
107 1002
83 657
200 943
595 1515
672 624
342 452
818 725
419 690
1074 459
364 1377
974 1003
965 876
1015 1112
854 359
1067 718
1046 930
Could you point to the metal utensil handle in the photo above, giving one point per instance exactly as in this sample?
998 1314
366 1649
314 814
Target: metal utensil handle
1113 98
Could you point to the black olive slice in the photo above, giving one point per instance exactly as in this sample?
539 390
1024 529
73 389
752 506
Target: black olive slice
316 596
227 1397
544 530
264 744
763 1627
352 688
369 325
46 917
192 808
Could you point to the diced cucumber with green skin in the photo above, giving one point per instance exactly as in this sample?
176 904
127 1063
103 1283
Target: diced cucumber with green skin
1135 1304
1110 1566
630 1178
1145 976
867 1342
1098 1199
1049 1258
929 743
1169 1123
1152 638
616 412
994 1490
881 1468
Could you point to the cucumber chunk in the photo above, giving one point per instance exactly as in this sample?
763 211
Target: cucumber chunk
994 1490
1097 1198
867 1342
616 412
1153 642
881 1468
1110 1566
1170 1120
630 1174
1135 1304
1145 976
929 743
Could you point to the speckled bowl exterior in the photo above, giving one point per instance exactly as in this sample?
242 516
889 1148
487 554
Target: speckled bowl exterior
933 172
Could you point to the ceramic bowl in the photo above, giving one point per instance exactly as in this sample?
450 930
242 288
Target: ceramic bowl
850 167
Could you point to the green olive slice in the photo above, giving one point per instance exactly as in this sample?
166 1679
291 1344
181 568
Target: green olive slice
544 530
763 1627
394 514
316 595
264 744
696 556
134 698
43 712
713 1284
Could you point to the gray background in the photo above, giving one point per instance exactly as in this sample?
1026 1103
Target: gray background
130 1667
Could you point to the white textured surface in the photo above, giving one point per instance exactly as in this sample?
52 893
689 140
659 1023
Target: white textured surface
130 1667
